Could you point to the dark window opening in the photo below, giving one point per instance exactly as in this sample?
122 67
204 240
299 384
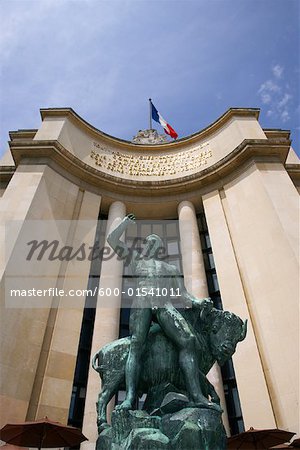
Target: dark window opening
233 405
77 404
168 231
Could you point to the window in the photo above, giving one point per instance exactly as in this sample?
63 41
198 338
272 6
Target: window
168 231
229 382
85 342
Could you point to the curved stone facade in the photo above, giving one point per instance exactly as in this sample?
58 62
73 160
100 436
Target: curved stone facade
243 178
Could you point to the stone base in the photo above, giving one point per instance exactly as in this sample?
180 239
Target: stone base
195 428
187 429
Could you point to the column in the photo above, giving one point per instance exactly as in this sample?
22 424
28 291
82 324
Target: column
195 280
106 328
253 391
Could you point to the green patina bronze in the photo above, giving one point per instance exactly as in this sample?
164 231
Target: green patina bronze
167 356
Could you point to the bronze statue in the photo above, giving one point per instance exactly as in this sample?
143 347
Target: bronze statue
154 274
217 335
167 356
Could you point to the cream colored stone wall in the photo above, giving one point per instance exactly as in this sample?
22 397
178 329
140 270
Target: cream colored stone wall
7 159
252 217
285 200
55 373
292 157
270 277
15 204
252 386
34 193
50 129
174 163
125 160
18 354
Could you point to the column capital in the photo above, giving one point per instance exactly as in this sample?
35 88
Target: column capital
116 207
186 204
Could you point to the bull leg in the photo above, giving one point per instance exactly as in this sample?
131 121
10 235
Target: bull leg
208 389
109 389
103 399
212 392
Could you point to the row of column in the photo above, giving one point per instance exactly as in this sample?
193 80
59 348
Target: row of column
253 226
106 327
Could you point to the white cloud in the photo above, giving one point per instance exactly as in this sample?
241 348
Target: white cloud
275 93
277 71
284 101
265 97
267 90
285 116
283 107
269 86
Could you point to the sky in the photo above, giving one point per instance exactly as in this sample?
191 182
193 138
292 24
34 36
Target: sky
105 58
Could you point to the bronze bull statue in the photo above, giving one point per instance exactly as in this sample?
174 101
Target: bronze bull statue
217 340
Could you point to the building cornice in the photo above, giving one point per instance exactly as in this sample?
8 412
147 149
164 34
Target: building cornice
22 134
6 173
202 134
272 133
294 171
39 152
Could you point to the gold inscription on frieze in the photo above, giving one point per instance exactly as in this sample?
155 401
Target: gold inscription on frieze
150 165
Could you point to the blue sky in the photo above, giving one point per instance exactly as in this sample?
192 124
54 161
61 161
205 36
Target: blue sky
104 59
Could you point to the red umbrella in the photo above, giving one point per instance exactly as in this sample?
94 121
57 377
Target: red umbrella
41 433
258 439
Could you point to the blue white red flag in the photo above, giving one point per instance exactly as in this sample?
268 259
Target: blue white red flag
158 118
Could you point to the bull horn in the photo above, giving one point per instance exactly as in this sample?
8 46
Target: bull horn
95 362
244 330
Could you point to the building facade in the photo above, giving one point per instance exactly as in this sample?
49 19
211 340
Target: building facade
225 202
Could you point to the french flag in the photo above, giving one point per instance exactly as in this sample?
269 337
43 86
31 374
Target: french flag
158 118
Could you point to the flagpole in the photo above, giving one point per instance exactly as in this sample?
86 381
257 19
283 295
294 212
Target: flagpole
150 115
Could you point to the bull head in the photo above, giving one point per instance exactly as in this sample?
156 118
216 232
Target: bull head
244 331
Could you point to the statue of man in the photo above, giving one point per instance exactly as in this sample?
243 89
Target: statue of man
152 275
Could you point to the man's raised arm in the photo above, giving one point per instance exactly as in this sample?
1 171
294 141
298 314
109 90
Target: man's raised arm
113 238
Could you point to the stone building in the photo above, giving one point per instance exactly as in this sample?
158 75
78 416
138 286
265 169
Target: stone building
225 202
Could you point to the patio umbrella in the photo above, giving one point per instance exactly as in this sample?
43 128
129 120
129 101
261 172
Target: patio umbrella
41 433
10 447
281 447
294 444
253 439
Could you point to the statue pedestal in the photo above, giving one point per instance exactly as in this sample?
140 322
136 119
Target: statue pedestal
187 429
195 428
